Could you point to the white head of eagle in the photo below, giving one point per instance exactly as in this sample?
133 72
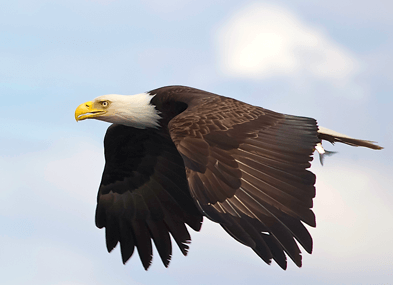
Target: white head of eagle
129 110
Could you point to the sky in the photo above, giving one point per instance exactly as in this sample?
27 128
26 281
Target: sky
330 60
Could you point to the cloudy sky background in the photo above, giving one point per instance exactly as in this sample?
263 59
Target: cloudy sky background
327 60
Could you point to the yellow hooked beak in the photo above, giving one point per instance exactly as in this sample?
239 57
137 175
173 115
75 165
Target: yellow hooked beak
87 111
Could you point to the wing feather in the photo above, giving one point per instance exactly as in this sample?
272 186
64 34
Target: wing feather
127 243
160 235
247 170
144 195
142 241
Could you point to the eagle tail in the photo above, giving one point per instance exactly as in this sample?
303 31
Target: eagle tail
332 136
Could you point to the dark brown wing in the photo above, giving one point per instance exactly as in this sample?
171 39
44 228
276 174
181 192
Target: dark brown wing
246 168
144 194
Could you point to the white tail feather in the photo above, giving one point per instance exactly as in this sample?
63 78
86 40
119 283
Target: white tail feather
332 136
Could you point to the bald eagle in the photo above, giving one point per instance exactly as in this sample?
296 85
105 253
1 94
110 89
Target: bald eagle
176 154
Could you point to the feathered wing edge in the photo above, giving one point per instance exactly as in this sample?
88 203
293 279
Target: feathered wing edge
260 192
144 195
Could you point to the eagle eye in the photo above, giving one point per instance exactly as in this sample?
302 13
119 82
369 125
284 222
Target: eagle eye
104 103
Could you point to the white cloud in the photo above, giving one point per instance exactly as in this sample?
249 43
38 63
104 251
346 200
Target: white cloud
263 41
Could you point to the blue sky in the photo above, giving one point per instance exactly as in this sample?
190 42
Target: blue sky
328 60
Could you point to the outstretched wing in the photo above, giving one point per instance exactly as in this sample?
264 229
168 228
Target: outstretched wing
144 194
246 168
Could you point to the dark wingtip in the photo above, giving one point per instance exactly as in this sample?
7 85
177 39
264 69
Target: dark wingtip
147 264
184 247
126 252
166 262
111 239
282 262
124 260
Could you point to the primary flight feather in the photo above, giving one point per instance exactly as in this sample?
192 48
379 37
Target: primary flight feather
176 154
